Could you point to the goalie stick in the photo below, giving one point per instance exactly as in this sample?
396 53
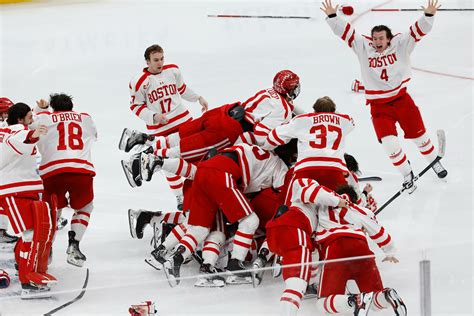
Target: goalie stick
373 178
77 298
441 151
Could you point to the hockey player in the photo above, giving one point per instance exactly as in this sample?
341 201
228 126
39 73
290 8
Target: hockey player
342 233
20 186
66 166
5 237
272 107
321 137
386 71
219 183
156 98
289 236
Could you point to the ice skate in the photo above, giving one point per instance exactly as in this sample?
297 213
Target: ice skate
148 163
157 258
395 301
31 291
361 303
238 273
311 291
257 265
61 223
137 221
131 168
209 277
276 271
130 138
409 182
439 170
6 238
179 202
173 265
74 254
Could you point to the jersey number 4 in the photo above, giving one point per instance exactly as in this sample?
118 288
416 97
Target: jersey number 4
384 75
321 134
70 136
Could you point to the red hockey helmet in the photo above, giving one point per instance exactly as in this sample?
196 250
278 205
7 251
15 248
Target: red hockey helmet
5 104
287 83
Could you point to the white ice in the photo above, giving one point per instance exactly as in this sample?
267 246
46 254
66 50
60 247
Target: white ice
91 49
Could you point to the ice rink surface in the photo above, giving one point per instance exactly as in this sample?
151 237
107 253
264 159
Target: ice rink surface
91 49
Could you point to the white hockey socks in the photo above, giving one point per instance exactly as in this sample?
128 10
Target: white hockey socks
80 220
178 232
334 304
290 300
212 245
426 147
244 236
396 154
175 183
193 238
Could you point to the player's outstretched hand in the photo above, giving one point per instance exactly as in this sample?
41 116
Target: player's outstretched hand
432 7
391 259
204 104
159 118
328 8
42 104
40 130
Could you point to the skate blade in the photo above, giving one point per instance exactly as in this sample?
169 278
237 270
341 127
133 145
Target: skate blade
75 262
152 262
35 294
237 280
172 280
128 174
310 296
131 223
204 282
257 278
123 139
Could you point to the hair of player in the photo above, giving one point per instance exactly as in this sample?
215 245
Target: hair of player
351 163
380 28
324 105
60 102
349 190
17 112
151 50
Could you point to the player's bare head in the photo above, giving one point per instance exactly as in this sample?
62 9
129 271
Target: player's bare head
19 113
381 37
287 83
60 102
324 105
349 191
154 58
151 50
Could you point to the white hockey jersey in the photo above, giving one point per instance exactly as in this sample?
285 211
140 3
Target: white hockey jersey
385 75
18 161
309 196
321 138
267 110
161 93
261 169
67 145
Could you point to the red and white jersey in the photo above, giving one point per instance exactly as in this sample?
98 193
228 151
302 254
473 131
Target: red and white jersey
267 109
67 145
309 196
261 169
385 75
161 93
354 221
18 161
321 138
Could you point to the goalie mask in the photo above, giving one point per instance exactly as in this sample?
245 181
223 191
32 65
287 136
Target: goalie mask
287 83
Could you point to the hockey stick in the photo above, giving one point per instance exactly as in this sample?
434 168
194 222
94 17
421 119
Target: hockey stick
258 16
77 298
401 10
373 178
441 151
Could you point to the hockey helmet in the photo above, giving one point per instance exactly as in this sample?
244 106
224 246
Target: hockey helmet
5 104
287 83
